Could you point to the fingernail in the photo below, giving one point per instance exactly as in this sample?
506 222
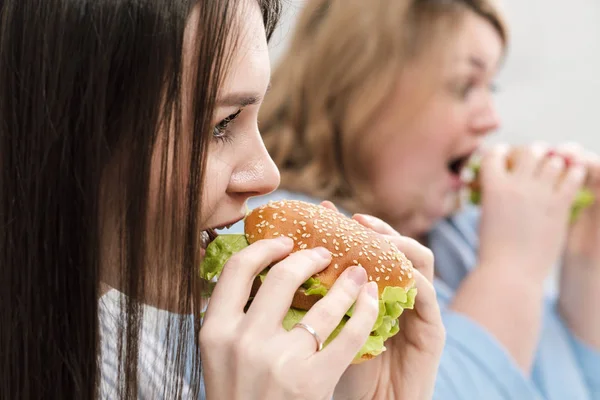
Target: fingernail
358 275
373 290
323 252
569 161
579 171
367 218
286 241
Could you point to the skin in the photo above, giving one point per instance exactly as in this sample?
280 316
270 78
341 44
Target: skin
252 350
408 367
414 146
515 257
580 275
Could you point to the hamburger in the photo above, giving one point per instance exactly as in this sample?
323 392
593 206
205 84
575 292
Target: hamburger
584 198
350 244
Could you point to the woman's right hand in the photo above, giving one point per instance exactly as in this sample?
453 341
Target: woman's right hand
525 210
251 356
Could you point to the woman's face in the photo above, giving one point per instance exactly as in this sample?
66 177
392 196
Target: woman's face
238 165
419 144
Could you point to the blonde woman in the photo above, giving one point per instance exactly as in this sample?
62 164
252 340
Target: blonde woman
376 106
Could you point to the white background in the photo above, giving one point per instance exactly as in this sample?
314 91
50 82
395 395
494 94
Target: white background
549 85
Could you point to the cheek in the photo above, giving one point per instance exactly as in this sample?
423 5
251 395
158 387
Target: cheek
216 180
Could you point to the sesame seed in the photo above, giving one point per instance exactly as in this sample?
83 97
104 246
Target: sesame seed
387 278
324 241
378 279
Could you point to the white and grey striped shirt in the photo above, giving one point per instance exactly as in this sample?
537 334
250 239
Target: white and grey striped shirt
154 376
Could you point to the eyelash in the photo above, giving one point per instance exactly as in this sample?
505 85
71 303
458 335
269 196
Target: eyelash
220 131
466 89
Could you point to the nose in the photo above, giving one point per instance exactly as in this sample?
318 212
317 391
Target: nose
257 176
486 119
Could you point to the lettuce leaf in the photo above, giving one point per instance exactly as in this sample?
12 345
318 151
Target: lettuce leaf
218 252
313 286
394 300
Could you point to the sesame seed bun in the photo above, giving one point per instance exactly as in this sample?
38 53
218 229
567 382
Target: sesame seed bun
349 242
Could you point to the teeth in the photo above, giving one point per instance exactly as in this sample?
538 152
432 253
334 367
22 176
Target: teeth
204 238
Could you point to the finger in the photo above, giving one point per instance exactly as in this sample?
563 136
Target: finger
421 257
327 313
552 169
572 182
592 163
330 205
528 160
276 293
232 290
338 355
426 304
493 162
572 153
376 224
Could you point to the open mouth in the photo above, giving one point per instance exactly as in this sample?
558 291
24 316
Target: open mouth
207 236
211 233
457 165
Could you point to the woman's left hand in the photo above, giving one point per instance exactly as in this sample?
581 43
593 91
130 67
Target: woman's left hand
408 368
580 277
585 233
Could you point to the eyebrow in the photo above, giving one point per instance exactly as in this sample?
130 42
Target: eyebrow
241 99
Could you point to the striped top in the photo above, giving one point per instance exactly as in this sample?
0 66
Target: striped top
155 378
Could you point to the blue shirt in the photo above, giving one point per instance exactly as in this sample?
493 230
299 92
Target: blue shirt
474 365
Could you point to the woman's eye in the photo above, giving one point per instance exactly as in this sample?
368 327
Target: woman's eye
220 131
466 89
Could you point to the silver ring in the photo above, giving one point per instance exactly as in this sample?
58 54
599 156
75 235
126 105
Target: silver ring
314 334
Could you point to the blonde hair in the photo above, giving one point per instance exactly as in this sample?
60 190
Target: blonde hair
340 67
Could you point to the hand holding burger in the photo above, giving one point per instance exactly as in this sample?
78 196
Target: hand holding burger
350 245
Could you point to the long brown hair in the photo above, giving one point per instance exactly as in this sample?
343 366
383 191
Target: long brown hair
343 60
86 88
